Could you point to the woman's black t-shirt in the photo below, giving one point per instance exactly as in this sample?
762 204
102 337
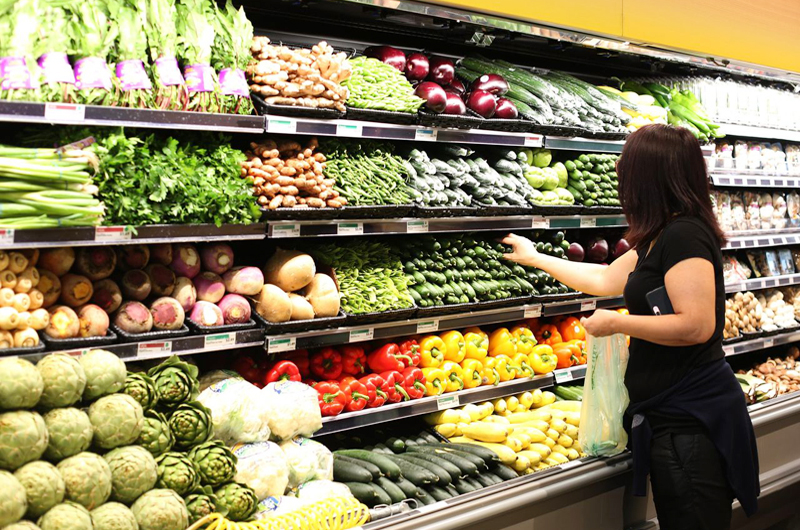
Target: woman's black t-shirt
653 368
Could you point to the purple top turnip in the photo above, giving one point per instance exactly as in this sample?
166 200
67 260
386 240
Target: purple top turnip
133 317
185 260
216 257
235 309
206 314
185 293
244 280
136 285
210 287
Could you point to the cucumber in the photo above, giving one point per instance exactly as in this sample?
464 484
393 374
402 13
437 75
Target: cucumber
474 483
484 480
439 494
391 489
347 472
462 486
407 487
362 492
418 475
380 448
428 437
371 468
423 497
445 449
486 454
382 496
452 469
451 490
386 466
494 478
504 472
444 476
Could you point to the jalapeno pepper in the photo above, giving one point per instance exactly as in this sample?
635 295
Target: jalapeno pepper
542 359
473 372
432 350
476 346
502 342
525 339
434 381
454 346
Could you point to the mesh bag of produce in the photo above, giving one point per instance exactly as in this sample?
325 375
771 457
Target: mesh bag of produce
605 397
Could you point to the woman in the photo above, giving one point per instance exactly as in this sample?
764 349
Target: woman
691 429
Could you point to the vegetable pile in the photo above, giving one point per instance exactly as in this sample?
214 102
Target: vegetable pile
22 301
772 378
377 85
593 179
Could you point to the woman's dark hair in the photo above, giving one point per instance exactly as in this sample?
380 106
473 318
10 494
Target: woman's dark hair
662 175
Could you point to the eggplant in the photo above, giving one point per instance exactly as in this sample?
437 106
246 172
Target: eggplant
434 95
597 251
388 55
456 86
442 71
417 67
482 102
492 83
575 252
620 248
506 109
455 105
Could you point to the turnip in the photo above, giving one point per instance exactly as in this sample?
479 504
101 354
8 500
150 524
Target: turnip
26 338
210 287
162 279
57 260
17 262
33 256
323 296
37 299
133 317
136 285
185 260
167 313
301 309
9 318
133 257
27 280
50 286
217 257
96 263
24 320
235 309
6 340
273 304
76 290
289 269
3 260
21 302
39 319
64 323
244 280
93 321
6 297
206 314
107 295
185 293
161 253
8 279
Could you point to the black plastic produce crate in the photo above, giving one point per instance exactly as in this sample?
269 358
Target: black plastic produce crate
383 116
293 111
124 336
278 328
78 343
384 316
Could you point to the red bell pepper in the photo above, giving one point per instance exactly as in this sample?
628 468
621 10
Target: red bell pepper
414 382
300 359
387 358
354 360
326 363
331 398
377 390
282 371
357 394
394 381
248 369
410 348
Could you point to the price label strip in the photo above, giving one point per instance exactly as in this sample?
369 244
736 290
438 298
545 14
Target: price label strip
7 236
588 222
563 376
362 335
533 140
285 230
150 350
425 135
64 112
532 311
350 229
353 130
447 402
113 233
281 125
279 344
429 326
540 222
416 227
588 305
220 341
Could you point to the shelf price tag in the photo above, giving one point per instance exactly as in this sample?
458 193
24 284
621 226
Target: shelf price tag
349 129
588 305
447 402
77 353
64 112
563 376
533 140
350 229
534 311
428 326
147 350
540 222
285 230
588 222
219 341
279 344
113 233
7 236
416 227
425 135
362 335
281 125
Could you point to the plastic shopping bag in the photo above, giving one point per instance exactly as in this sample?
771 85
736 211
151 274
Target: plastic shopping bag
605 397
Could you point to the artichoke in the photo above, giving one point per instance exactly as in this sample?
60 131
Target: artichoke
200 503
160 509
105 374
133 472
12 499
113 516
176 472
44 487
23 438
22 525
66 516
191 424
215 462
238 500
70 433
116 420
21 384
87 478
175 381
64 380
156 435
141 387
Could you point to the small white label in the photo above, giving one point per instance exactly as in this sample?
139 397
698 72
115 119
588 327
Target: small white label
769 343
286 230
540 222
281 125
588 305
349 129
350 229
153 349
362 335
425 135
447 402
588 222
279 344
533 140
562 376
112 233
77 353
428 326
64 112
414 227
7 236
220 341
571 464
532 311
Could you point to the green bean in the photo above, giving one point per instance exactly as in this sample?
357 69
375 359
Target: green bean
376 85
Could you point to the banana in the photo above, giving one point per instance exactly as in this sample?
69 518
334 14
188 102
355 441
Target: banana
565 441
448 430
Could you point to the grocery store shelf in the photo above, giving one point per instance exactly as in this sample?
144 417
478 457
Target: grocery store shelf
761 343
762 283
760 241
127 235
780 406
753 181
386 330
584 144
69 114
755 131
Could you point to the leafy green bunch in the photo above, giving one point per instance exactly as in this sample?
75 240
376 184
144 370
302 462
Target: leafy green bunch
196 34
131 46
162 41
234 35
93 35
18 23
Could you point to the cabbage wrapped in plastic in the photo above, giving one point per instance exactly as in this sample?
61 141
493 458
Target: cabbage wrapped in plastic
294 409
280 505
308 460
321 490
239 412
263 467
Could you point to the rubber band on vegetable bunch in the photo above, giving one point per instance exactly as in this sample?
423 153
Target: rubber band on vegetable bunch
135 86
56 74
94 35
230 56
170 91
196 39
19 77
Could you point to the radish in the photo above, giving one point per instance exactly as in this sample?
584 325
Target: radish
442 71
206 314
217 257
434 95
210 287
185 260
417 67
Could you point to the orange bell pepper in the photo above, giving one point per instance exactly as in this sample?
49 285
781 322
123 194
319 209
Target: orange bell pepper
502 342
581 344
542 359
570 329
548 334
490 375
525 339
472 372
567 354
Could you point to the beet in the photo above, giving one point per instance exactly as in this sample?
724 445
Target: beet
161 253
133 317
76 290
107 295
162 279
167 313
133 257
136 285
93 321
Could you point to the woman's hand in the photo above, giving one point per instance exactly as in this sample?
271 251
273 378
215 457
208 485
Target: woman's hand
524 251
602 323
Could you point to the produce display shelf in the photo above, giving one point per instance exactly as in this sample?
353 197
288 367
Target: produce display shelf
763 283
71 114
755 131
780 400
128 235
350 227
762 343
385 330
584 144
739 179
760 241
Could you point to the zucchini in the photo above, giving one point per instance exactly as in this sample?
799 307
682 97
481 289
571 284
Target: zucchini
362 492
392 490
462 486
380 493
468 463
418 475
504 472
386 466
439 494
444 476
344 471
407 487
372 468
423 497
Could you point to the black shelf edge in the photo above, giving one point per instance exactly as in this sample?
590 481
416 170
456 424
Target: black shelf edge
769 282
762 343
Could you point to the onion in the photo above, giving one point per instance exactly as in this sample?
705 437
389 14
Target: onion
442 71
434 95
388 55
455 105
575 252
417 67
492 83
482 102
597 251
505 109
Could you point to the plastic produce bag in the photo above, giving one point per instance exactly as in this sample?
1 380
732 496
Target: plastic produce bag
263 467
605 397
239 413
308 460
321 490
277 506
294 409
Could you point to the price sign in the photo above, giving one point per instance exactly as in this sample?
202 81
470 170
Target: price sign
147 350
64 112
447 402
532 311
282 125
415 227
425 135
362 335
109 234
588 222
428 326
285 230
349 129
219 341
588 305
350 229
77 353
7 236
540 222
533 140
279 344
563 376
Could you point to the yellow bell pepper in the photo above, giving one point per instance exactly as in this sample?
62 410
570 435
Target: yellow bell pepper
490 375
479 331
525 339
431 351
434 381
454 376
521 363
542 359
476 345
454 346
502 342
505 367
473 373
